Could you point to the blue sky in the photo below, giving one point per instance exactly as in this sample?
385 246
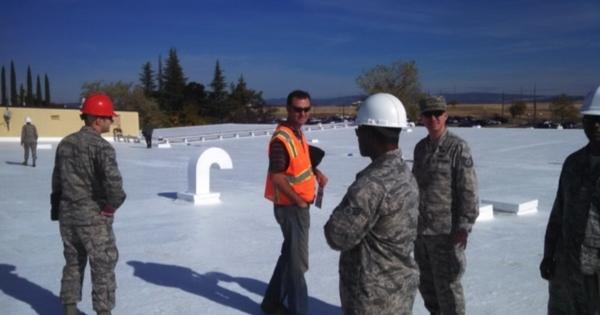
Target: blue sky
317 45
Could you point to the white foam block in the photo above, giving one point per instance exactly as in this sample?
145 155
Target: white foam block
486 212
165 145
516 207
44 146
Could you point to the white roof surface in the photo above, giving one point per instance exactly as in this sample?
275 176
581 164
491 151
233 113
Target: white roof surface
175 258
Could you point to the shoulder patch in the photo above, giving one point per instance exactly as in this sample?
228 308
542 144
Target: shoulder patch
467 161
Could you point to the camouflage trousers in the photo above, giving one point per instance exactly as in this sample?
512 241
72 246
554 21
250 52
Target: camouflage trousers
571 291
441 265
95 243
30 146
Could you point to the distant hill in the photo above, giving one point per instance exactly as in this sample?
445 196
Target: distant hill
461 98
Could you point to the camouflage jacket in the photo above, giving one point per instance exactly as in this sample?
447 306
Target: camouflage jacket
28 134
86 178
447 185
569 227
375 226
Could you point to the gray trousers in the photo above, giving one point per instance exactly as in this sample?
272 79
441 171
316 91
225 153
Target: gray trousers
441 265
287 282
30 146
95 243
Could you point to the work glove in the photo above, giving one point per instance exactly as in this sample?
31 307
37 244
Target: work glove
547 268
460 238
54 204
108 211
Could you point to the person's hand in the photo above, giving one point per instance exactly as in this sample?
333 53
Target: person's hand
547 268
460 238
321 179
302 204
108 211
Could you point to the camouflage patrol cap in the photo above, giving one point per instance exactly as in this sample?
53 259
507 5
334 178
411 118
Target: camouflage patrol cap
432 103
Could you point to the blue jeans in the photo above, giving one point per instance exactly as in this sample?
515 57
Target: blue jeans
288 277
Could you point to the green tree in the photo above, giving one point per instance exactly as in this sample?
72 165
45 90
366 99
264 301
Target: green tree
247 105
517 109
399 78
3 99
217 97
46 90
29 98
147 79
38 91
563 109
194 96
13 85
174 84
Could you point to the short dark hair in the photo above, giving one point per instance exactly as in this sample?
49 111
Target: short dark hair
299 94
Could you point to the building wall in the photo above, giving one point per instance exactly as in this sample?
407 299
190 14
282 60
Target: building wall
57 123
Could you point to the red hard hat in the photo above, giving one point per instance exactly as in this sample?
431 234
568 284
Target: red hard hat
98 105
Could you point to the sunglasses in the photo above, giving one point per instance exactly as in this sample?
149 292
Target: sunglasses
301 109
436 113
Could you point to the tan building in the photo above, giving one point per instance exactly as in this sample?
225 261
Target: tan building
53 124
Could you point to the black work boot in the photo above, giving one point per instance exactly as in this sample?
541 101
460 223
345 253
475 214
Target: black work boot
24 163
70 309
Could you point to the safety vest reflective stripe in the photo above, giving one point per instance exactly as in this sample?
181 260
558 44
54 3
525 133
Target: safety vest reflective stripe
286 139
306 174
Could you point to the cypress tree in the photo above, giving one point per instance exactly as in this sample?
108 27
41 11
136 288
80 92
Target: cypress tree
21 97
29 97
3 100
13 85
218 95
147 79
174 83
159 77
46 90
38 91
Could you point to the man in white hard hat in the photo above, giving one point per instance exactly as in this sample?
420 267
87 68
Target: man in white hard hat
375 224
29 138
571 260
448 208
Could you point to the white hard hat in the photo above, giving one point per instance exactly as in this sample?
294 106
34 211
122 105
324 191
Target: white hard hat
591 103
382 110
27 120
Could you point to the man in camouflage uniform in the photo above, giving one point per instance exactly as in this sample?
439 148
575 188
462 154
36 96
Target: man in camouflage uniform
86 190
7 116
571 260
29 138
375 224
448 207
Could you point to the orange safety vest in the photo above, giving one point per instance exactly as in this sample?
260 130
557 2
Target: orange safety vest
299 172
